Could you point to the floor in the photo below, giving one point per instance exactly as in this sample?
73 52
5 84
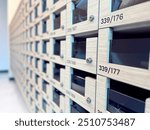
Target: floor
11 100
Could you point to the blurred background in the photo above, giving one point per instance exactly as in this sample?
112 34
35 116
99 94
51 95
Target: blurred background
11 100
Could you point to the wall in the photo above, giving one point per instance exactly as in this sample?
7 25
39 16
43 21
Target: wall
3 36
12 7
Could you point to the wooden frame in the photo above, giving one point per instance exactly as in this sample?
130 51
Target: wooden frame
87 101
100 20
62 30
124 18
132 75
89 25
83 64
55 58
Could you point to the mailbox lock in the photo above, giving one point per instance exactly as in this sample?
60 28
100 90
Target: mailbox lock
91 18
61 84
89 60
62 27
88 100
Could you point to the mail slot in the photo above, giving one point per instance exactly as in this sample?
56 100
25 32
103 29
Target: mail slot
79 80
31 88
28 59
44 5
36 11
120 4
59 19
125 98
31 60
45 66
76 108
45 25
57 47
30 44
38 98
45 46
44 105
37 29
79 48
37 60
31 17
130 50
36 79
57 71
58 98
84 47
80 11
82 54
37 94
37 46
30 32
37 110
44 86
82 16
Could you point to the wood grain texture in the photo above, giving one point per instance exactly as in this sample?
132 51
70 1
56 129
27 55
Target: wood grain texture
24 55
